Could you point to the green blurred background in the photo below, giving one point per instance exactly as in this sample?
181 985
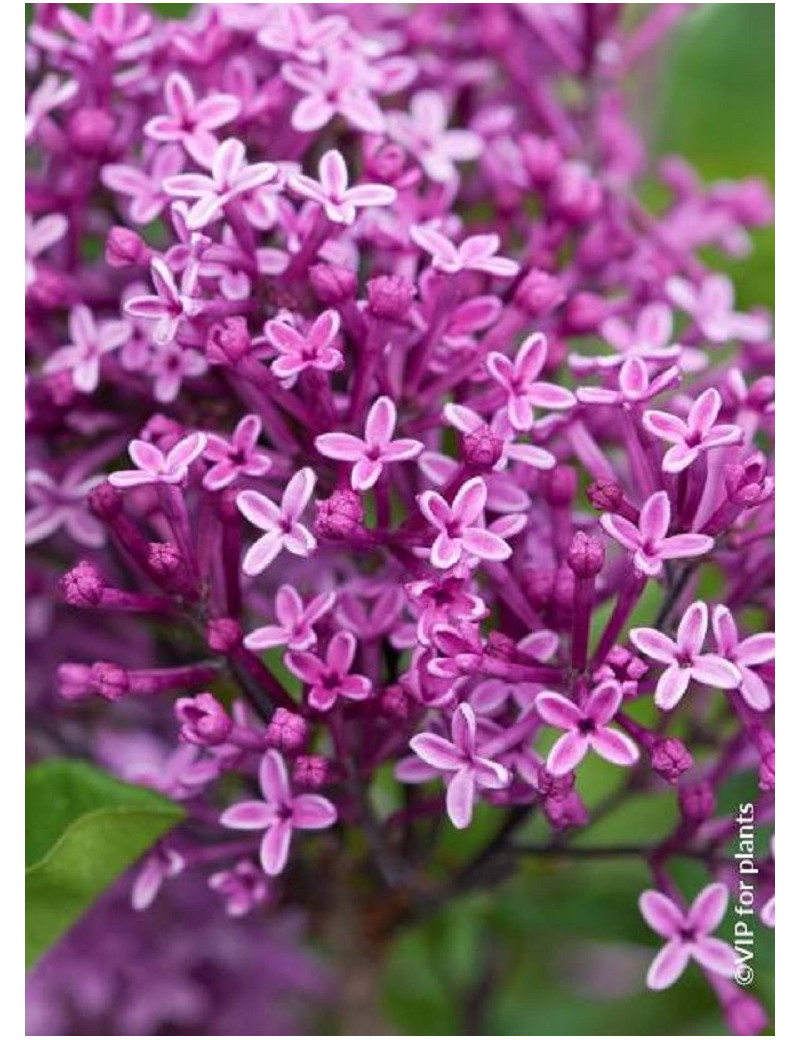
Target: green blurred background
561 949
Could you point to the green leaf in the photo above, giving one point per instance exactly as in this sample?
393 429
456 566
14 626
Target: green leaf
82 829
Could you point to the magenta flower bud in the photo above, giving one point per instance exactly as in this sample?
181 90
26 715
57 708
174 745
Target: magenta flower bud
340 515
605 495
586 555
105 501
74 681
50 290
124 248
583 313
228 342
745 1016
396 703
165 560
83 586
766 772
538 585
385 164
287 731
312 771
109 680
203 719
670 759
748 485
574 195
560 486
333 285
90 130
542 158
564 588
481 449
539 293
224 635
697 802
389 297
563 811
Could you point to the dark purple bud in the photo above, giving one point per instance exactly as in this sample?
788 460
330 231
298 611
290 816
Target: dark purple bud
605 495
83 586
670 759
748 485
228 342
165 561
333 285
697 801
105 501
566 811
481 449
396 703
389 297
339 516
203 719
560 486
287 731
109 680
312 771
575 196
583 313
586 555
90 130
224 635
124 248
539 292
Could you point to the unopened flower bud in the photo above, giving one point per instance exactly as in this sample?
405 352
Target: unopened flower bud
90 130
340 515
583 313
110 680
670 759
203 719
539 292
542 158
586 555
223 635
697 801
83 585
105 501
396 703
389 297
481 449
287 731
228 342
124 248
766 772
560 486
575 196
745 1016
312 771
333 285
605 494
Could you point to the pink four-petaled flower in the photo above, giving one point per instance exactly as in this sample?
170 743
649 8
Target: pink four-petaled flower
377 448
476 253
711 306
518 380
684 657
189 121
171 305
649 541
281 523
688 934
340 86
423 131
459 759
700 432
456 523
59 504
340 202
279 813
295 627
237 456
156 467
744 653
330 678
90 342
146 190
587 728
299 351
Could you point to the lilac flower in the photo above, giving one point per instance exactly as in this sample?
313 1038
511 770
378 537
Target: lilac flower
634 383
279 813
376 449
711 307
648 540
157 467
700 432
171 306
51 94
587 728
297 35
146 190
169 366
458 533
281 524
744 654
191 122
58 504
341 86
339 202
236 457
518 380
296 621
243 887
423 131
330 679
684 657
474 254
160 865
507 448
231 177
40 236
299 352
90 342
466 770
648 339
688 935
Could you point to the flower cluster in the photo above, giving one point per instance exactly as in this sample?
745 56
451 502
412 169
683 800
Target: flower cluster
418 446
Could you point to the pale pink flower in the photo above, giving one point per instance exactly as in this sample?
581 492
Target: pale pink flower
330 679
189 121
41 235
281 524
146 190
744 654
649 541
157 467
518 379
587 728
58 504
423 132
171 305
711 307
468 421
476 253
237 456
51 94
647 338
458 530
375 450
279 813
160 865
700 432
299 351
634 385
688 934
341 87
170 365
296 620
90 342
684 657
459 759
296 35
340 202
